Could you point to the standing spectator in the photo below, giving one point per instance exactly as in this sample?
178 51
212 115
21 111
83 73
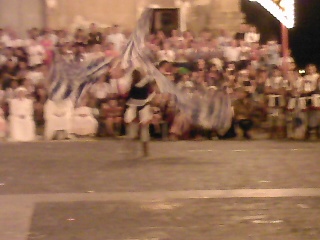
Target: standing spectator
166 53
311 82
22 126
241 33
48 45
9 73
243 109
252 36
232 53
276 89
94 37
117 38
80 37
37 54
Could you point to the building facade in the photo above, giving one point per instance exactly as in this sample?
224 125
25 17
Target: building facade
69 14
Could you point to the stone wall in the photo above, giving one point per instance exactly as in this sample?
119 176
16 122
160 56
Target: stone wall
68 14
21 15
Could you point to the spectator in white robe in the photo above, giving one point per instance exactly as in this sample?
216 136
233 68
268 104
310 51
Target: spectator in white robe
58 119
83 121
21 122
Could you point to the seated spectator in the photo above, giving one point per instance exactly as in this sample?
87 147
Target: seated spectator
36 76
243 110
113 114
10 91
21 123
9 73
83 121
3 125
40 98
58 119
111 52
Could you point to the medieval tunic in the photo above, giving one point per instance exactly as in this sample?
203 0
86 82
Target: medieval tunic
58 117
138 103
21 123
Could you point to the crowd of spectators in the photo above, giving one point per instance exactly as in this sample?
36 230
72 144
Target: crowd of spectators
261 82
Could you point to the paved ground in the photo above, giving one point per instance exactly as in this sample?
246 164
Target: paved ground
185 190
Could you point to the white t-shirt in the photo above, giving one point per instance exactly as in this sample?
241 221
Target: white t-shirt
100 90
118 39
311 82
166 55
232 54
36 54
251 37
5 39
35 76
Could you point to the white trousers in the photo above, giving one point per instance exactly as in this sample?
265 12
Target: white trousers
133 131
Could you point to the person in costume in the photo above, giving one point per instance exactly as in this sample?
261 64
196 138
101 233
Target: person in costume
21 123
58 118
276 89
311 92
296 108
139 114
83 120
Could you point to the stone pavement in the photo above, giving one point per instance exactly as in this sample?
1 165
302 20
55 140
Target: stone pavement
186 190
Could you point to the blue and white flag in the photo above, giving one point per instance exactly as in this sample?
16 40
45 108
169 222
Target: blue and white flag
211 110
71 79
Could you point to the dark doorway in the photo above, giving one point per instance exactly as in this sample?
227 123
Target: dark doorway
165 19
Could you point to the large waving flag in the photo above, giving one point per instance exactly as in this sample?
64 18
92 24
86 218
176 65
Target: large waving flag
211 110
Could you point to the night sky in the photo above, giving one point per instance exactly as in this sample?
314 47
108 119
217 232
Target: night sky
304 37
